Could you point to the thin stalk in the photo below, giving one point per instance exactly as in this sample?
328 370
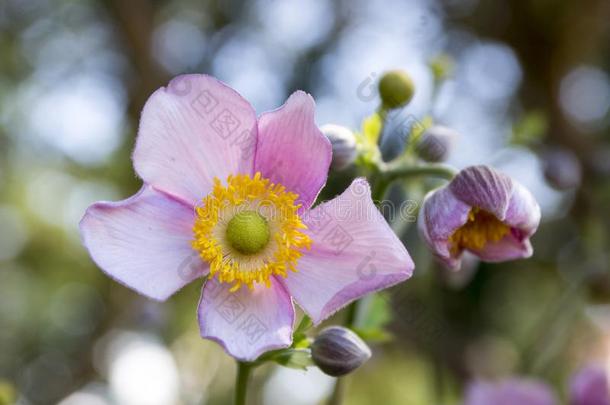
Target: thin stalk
338 393
241 383
395 172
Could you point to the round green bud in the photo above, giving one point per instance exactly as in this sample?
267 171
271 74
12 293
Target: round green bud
396 89
338 351
248 232
442 66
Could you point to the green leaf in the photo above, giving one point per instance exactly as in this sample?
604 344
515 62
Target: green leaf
293 358
299 336
374 335
305 324
303 343
371 128
366 141
377 315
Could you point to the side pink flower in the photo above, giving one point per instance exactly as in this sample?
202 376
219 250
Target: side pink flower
481 211
229 196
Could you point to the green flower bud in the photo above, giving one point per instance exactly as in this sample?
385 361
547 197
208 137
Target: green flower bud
343 142
442 66
338 351
436 143
396 89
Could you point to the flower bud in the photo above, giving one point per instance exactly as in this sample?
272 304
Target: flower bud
338 351
435 143
442 66
396 89
562 169
481 211
343 142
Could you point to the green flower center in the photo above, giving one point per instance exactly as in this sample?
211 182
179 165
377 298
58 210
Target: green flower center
248 232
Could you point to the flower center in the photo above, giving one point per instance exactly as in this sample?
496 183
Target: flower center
481 228
249 231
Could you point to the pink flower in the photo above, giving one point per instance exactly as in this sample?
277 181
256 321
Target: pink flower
481 211
228 195
590 387
515 391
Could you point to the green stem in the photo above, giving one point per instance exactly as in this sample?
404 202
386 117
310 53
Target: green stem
383 114
379 188
398 171
241 383
351 314
337 396
544 339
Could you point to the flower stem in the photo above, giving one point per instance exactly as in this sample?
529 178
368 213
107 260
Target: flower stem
351 314
241 383
401 171
337 396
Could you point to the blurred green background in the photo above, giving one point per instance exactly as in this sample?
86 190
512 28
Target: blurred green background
530 90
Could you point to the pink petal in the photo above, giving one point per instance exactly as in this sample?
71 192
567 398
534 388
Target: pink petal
589 386
354 252
485 188
523 216
192 131
514 391
246 323
291 149
144 242
523 211
511 247
440 216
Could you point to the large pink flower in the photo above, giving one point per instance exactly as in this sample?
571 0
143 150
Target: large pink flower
228 195
481 211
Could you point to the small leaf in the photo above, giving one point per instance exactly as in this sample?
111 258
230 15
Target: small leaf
305 324
299 336
377 315
371 128
378 312
293 358
374 335
302 343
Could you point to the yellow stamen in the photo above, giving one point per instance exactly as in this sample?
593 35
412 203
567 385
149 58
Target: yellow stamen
481 228
273 203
